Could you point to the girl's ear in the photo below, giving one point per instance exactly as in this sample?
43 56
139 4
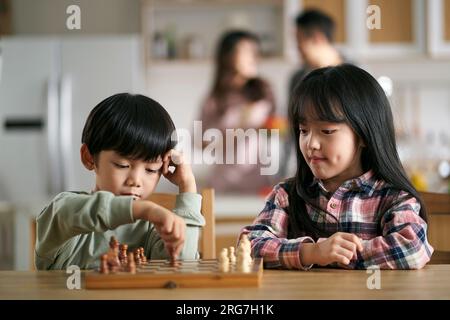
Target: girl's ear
86 157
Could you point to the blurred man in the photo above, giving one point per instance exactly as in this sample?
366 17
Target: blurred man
315 37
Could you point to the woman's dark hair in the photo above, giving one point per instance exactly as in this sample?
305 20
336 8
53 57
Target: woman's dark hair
313 20
134 126
255 88
347 94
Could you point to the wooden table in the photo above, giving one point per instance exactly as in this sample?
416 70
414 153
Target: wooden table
432 282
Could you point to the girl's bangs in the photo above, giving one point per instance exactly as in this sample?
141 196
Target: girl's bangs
318 103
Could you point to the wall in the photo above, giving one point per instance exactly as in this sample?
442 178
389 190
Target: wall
97 16
420 101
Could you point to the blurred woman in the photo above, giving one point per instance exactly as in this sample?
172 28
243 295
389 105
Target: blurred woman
239 99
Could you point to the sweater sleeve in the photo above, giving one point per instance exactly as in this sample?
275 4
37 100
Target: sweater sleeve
268 234
71 214
188 207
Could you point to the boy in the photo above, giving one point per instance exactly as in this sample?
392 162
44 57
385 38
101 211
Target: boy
127 142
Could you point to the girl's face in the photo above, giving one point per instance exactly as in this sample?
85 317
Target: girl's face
332 152
246 59
123 176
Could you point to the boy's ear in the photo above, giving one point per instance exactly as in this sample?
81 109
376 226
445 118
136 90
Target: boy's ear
86 157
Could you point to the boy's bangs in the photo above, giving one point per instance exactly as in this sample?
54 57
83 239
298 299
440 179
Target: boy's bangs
142 133
143 144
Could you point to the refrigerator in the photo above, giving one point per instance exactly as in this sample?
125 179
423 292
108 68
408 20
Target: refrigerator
47 88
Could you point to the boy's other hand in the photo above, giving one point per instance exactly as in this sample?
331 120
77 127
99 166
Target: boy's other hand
182 176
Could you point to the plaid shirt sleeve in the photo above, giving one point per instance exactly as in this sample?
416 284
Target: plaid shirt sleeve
403 243
268 234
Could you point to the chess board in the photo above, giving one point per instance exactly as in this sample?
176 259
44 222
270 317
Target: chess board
181 274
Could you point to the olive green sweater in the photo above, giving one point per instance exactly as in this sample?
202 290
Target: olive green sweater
75 229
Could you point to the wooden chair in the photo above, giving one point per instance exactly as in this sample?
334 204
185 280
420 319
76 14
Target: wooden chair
438 209
207 242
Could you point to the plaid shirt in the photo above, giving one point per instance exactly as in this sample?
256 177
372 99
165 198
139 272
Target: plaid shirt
392 232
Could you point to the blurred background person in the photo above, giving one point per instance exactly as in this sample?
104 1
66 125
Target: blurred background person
315 32
239 99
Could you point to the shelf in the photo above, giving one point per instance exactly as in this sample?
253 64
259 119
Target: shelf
182 29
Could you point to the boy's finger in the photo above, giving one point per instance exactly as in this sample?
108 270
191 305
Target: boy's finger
167 155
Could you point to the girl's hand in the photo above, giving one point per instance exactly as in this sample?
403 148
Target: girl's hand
182 176
341 247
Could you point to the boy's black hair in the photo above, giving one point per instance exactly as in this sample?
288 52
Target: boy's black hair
312 20
133 125
347 94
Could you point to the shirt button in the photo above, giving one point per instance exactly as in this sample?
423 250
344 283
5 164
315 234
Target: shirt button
333 205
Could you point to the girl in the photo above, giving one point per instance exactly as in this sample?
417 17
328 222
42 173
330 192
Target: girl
350 203
238 99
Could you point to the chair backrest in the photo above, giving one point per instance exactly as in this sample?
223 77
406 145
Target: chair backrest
438 210
207 242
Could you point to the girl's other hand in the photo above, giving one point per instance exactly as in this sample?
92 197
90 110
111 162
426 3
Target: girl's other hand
341 247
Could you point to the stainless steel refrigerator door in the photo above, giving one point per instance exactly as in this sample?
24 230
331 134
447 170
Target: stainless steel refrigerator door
93 68
29 65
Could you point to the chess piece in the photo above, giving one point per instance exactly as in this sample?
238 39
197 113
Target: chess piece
123 254
104 264
231 255
224 262
137 256
245 242
142 255
113 258
131 266
114 244
244 258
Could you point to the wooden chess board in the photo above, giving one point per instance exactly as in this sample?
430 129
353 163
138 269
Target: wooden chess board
181 274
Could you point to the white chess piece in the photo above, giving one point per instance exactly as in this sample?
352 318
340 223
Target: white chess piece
224 262
232 255
243 263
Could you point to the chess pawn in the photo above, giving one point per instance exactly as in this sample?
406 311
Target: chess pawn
232 255
123 254
112 241
137 256
224 262
131 266
104 264
243 261
114 244
113 260
142 255
245 242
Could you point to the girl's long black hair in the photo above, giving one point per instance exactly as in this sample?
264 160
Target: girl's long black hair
348 94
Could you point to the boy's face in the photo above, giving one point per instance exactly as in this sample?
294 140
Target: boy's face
123 176
332 151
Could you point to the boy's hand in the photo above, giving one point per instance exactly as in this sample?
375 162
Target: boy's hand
182 176
170 227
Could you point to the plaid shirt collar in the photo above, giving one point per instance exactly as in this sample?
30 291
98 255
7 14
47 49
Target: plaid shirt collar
364 183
